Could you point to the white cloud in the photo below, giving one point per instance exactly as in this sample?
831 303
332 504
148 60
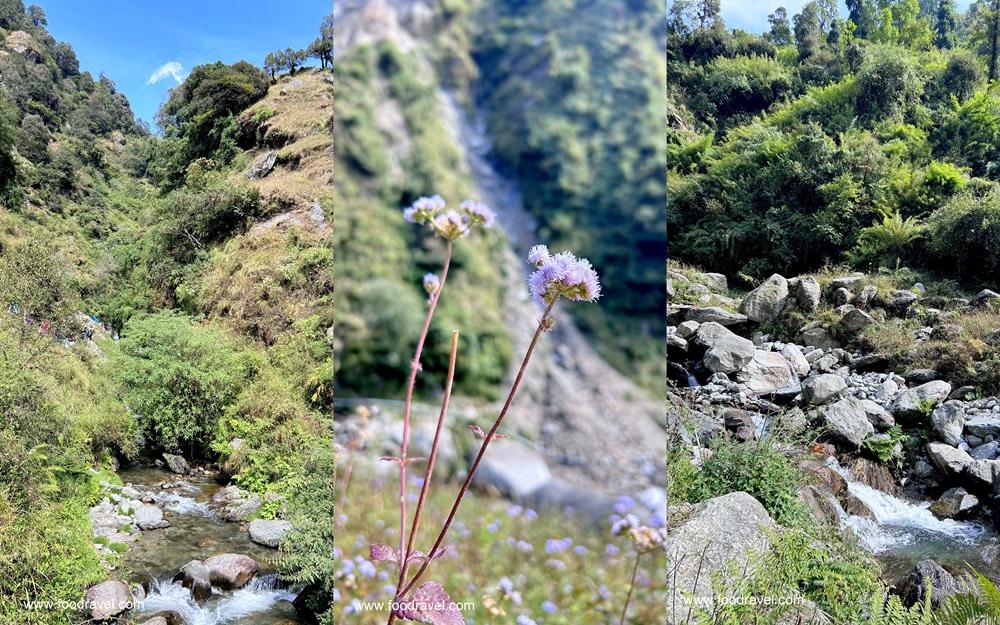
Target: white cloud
172 69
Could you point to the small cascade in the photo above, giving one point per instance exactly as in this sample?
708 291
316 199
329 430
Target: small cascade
182 504
898 522
260 595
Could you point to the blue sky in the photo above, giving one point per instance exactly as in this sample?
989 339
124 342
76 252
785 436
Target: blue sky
752 15
129 40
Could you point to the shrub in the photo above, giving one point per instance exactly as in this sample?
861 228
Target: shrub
888 82
965 234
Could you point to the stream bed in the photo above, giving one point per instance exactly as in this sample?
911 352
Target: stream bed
196 533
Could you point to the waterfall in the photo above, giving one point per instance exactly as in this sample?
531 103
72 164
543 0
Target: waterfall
260 595
898 522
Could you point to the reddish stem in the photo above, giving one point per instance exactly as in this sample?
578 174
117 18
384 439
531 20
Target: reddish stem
429 471
408 401
631 587
542 324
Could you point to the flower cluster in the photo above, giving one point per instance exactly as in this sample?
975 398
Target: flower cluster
561 275
449 224
643 537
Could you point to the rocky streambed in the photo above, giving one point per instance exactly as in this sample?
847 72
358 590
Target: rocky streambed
189 556
905 460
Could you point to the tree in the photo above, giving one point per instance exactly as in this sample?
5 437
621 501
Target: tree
66 59
945 22
8 169
984 32
708 13
272 64
11 14
863 14
291 59
322 49
781 30
808 31
678 17
37 16
33 139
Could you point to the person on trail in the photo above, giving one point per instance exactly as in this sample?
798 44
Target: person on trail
45 326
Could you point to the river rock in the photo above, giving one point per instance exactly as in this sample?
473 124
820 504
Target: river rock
512 468
107 600
948 459
911 403
899 301
983 426
236 503
984 297
150 517
766 301
948 421
954 503
177 464
717 537
848 421
855 320
715 281
807 293
913 588
716 315
675 342
686 329
796 360
195 576
269 533
866 296
726 352
231 570
156 620
819 389
767 373
842 296
983 473
878 416
816 334
986 451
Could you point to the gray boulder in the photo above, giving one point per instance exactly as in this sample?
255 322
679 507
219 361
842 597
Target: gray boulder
725 352
236 504
766 301
948 421
715 281
856 320
983 426
911 403
847 420
196 577
263 165
913 588
878 416
766 374
948 459
819 389
986 451
558 494
150 517
269 532
807 293
230 571
983 473
899 301
714 314
177 464
866 296
984 297
796 360
717 538
954 503
512 468
108 600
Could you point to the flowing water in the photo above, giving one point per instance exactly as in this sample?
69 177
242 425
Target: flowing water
196 533
903 533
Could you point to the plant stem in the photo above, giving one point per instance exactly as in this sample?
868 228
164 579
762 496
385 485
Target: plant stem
408 402
631 587
482 449
429 471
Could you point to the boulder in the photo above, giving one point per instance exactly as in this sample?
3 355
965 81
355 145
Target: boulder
686 329
986 451
725 352
912 403
196 577
150 517
983 473
231 570
822 388
878 416
766 374
177 464
766 301
842 296
983 426
846 282
263 165
847 420
856 320
675 342
716 538
796 360
236 503
984 297
948 421
714 314
954 503
913 588
512 468
807 293
715 281
269 533
816 334
557 494
950 460
866 296
108 600
899 301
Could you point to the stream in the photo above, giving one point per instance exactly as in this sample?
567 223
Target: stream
195 533
905 532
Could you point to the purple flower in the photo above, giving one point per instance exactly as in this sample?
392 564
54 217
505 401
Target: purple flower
493 527
562 275
548 607
623 525
506 585
424 209
656 520
525 546
610 550
479 213
514 510
538 255
452 225
579 550
525 620
431 283
555 545
623 504
530 514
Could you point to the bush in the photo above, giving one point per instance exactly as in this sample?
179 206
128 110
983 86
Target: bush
178 378
965 234
742 86
887 83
